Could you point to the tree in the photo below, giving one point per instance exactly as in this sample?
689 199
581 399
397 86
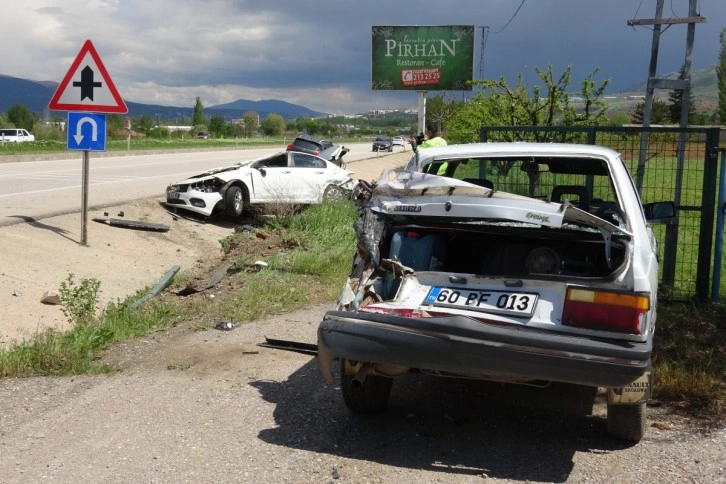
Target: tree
721 76
439 111
551 104
675 102
659 114
273 125
198 116
115 123
21 117
217 125
250 118
144 124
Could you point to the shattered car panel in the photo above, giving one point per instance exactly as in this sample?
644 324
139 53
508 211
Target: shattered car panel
524 263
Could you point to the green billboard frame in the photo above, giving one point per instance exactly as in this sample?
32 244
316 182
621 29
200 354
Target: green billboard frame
422 58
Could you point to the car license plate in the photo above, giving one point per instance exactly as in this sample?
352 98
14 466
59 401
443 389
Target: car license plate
513 303
172 195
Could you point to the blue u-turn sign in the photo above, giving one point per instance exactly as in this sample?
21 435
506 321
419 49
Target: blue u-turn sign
86 131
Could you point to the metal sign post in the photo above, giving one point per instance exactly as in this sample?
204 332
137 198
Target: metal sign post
85 91
84 203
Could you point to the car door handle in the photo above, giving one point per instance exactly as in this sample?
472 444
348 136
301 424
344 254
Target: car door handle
286 172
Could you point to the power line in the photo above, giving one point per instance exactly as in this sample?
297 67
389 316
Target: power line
510 20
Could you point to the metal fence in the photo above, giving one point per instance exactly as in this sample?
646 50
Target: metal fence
678 164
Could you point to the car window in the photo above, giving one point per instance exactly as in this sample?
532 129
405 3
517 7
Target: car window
8 132
301 160
586 183
277 161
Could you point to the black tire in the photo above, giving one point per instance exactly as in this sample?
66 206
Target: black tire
369 396
334 193
234 202
627 422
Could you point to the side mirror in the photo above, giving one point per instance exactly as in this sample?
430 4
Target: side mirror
658 211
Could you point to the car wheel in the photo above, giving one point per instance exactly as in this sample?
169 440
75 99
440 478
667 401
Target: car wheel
367 396
390 149
334 193
234 202
626 422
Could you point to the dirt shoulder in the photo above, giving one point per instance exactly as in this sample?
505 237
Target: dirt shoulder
40 254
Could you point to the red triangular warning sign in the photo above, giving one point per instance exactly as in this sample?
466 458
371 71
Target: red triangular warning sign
87 86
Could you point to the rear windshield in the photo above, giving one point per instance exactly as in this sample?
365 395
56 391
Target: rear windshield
305 144
584 182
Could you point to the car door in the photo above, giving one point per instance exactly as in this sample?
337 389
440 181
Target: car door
273 180
310 175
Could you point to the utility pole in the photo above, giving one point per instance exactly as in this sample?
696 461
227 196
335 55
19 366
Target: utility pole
484 37
683 85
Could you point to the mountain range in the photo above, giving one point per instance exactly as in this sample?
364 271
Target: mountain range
35 95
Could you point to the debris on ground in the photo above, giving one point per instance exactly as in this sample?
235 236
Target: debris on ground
133 224
225 325
295 346
213 280
244 229
50 297
160 286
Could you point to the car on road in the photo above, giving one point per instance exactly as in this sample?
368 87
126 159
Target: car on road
14 135
524 263
398 141
289 177
382 144
323 148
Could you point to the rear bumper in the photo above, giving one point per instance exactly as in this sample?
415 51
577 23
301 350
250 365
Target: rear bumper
462 346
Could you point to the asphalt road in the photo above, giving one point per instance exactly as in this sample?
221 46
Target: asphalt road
38 189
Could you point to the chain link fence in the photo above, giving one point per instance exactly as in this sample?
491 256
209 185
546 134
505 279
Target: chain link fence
666 163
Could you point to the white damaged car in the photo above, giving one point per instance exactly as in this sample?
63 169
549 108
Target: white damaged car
289 178
524 263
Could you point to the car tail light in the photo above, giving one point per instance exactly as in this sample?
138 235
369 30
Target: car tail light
316 153
290 147
609 311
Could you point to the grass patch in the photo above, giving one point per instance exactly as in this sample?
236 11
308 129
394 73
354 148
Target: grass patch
689 357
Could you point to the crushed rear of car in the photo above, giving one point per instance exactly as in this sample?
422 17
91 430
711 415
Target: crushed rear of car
525 264
323 148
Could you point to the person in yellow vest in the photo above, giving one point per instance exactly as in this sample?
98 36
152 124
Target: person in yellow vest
435 139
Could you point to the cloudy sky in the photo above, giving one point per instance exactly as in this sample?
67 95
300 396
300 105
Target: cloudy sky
317 53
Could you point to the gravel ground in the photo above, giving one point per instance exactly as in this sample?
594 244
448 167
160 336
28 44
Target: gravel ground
212 406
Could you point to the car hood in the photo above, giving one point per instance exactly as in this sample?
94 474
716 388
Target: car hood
413 194
224 173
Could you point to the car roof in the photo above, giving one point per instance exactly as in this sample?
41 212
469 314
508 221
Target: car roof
514 149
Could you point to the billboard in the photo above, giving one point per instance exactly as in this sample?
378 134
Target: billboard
423 58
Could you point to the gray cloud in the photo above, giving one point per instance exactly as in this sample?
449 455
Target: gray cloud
317 52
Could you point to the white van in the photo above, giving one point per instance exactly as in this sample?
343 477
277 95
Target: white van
13 135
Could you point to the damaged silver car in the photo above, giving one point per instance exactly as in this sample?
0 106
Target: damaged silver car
512 262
